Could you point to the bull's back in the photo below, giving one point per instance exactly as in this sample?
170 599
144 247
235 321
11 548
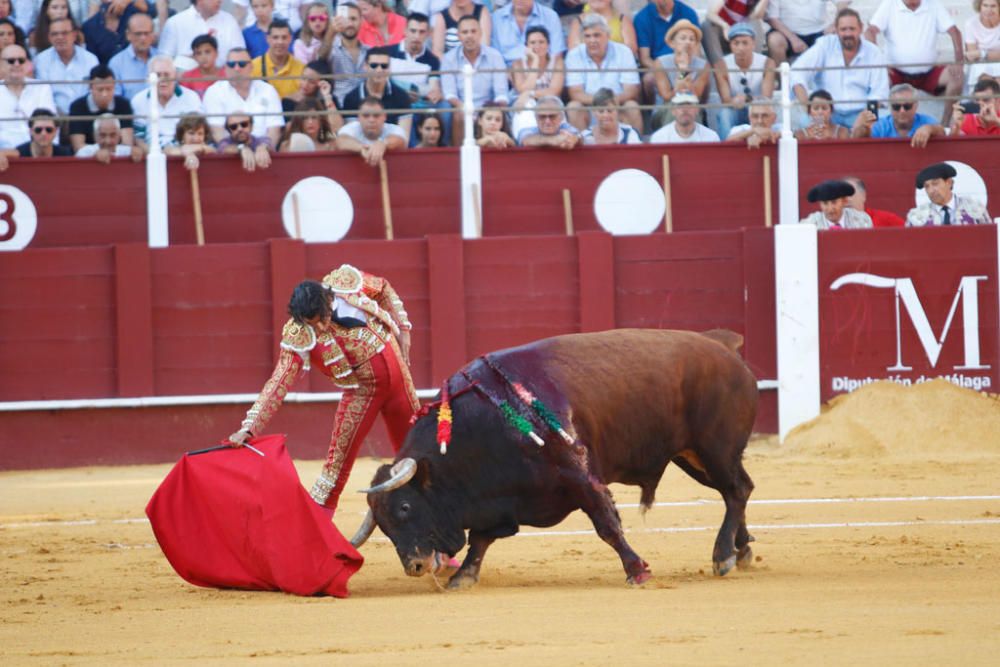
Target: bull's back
641 396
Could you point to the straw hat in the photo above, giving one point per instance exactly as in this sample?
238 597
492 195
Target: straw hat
683 24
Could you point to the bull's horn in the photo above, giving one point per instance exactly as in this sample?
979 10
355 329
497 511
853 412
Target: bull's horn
402 472
365 531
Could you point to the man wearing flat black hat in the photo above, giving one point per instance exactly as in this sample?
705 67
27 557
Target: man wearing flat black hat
945 207
834 213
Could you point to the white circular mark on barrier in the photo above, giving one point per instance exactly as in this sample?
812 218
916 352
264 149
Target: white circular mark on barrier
18 218
968 183
325 210
629 201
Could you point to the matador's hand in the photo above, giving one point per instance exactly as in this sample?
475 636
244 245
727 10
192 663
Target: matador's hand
239 438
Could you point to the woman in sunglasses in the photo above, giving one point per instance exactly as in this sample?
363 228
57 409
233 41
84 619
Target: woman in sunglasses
316 37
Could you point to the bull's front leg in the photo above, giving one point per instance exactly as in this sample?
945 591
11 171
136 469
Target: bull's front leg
597 502
468 575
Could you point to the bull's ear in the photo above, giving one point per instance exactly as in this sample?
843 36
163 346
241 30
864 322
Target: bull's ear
422 478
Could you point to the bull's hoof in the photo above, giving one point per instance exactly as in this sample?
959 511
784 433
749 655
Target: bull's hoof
744 559
639 579
722 568
462 581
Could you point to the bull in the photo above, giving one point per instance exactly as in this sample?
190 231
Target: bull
630 401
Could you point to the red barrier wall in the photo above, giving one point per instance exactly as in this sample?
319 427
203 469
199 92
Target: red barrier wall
870 331
190 320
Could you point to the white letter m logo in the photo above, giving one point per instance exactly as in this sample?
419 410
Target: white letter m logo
968 288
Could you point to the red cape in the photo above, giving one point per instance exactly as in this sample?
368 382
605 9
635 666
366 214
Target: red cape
233 519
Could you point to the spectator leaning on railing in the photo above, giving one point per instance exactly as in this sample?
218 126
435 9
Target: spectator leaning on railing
551 129
904 120
764 127
191 139
240 92
600 63
740 77
821 125
370 136
608 129
107 133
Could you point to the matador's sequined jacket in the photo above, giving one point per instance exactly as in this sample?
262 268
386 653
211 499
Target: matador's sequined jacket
339 351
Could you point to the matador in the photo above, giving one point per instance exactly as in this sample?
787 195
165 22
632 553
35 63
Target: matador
353 327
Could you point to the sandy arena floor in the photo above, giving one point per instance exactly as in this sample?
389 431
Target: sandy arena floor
877 526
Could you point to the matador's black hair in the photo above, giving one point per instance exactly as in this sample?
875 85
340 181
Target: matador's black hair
309 299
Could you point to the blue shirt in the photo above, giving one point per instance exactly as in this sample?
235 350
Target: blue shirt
884 128
508 38
49 67
127 67
618 57
102 42
651 28
256 40
486 87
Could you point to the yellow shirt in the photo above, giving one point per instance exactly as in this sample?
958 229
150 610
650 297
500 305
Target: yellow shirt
264 66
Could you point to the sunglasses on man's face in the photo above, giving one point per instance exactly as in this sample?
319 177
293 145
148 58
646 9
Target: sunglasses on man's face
237 63
379 65
905 106
240 124
46 129
16 61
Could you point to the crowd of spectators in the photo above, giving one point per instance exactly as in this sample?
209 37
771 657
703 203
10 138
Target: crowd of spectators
371 76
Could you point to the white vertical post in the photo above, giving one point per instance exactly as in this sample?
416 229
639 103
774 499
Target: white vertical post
788 156
472 173
156 174
796 269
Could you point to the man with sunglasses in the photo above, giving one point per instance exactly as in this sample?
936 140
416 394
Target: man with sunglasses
253 151
241 93
904 120
42 126
203 17
378 85
552 129
19 96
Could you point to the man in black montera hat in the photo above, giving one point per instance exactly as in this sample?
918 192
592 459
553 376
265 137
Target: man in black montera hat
945 207
835 212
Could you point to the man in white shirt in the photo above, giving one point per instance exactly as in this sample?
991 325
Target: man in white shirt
600 63
108 137
796 25
65 60
764 127
684 128
173 101
19 97
239 92
290 10
370 136
910 29
846 66
203 17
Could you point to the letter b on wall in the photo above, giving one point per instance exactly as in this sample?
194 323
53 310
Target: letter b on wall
18 219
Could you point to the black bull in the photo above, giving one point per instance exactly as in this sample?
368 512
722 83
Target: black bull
634 400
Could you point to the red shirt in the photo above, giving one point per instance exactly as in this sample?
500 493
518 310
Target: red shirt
371 36
884 218
189 80
972 127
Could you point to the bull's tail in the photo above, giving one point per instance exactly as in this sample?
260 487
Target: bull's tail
729 339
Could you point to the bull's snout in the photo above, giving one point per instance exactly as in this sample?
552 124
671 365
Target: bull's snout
418 566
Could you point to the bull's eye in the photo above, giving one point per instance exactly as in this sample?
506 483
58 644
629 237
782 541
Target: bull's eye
404 508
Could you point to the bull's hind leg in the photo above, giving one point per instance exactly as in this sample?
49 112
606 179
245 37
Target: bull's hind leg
732 481
597 502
